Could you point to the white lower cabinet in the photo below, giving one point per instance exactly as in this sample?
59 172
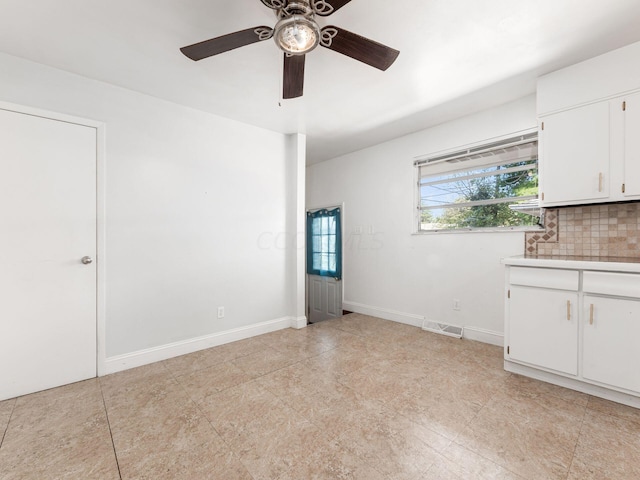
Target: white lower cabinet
611 329
576 328
544 331
611 351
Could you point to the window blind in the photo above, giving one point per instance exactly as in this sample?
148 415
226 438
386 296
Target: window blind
511 150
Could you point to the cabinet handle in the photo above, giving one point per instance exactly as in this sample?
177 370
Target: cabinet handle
591 314
569 310
600 182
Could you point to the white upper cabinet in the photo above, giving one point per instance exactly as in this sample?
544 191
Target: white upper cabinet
575 154
632 146
591 154
590 131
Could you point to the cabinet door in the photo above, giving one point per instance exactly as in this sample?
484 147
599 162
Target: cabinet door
574 161
543 328
610 350
632 146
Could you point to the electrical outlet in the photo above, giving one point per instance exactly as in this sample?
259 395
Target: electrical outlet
456 304
220 312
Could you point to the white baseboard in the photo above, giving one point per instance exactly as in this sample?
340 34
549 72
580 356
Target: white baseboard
298 323
484 336
386 314
471 333
164 352
573 384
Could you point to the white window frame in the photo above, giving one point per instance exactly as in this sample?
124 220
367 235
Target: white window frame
441 163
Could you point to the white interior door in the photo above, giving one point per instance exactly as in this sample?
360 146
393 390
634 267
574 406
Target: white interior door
47 226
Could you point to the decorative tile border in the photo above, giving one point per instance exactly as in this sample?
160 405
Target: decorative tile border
549 235
611 230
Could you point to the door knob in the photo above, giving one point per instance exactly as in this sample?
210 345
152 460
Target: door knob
87 260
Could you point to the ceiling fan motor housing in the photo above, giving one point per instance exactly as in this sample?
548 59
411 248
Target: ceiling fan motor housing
299 7
297 32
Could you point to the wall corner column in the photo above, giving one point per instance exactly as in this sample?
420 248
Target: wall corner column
296 221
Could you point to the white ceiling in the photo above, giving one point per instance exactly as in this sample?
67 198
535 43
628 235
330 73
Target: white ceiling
457 57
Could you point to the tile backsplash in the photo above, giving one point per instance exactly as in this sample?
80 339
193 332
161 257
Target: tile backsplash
610 230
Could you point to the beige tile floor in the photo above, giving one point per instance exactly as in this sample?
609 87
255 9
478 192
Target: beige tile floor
353 398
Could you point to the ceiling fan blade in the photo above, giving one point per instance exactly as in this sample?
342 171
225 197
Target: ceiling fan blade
293 82
357 47
222 44
324 8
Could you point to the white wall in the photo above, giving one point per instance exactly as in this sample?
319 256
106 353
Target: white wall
394 274
187 197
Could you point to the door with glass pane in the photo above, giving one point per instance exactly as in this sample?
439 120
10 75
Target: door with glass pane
324 264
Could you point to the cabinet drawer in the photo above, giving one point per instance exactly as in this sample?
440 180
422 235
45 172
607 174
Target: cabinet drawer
544 278
617 284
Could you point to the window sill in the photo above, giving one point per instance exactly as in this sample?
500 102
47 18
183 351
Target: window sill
481 230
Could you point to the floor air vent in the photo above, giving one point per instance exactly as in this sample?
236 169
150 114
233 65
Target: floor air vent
443 328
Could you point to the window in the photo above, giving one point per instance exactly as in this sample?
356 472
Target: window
489 186
324 243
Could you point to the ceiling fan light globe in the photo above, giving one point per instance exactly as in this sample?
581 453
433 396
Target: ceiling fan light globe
297 35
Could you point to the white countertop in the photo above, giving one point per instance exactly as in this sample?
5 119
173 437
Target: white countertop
606 264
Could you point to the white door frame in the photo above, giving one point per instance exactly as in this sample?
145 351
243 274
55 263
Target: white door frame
306 275
100 217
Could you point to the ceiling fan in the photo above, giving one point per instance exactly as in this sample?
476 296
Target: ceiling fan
296 32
